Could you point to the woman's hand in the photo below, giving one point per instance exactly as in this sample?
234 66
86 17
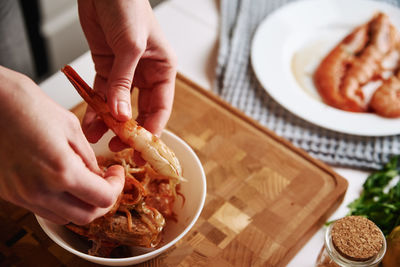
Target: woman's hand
128 50
47 165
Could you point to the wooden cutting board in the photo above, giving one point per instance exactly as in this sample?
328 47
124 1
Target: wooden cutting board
265 197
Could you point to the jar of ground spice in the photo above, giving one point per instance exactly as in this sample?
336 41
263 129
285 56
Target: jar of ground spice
352 241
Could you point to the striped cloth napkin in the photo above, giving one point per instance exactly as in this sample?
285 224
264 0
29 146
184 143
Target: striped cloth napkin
238 85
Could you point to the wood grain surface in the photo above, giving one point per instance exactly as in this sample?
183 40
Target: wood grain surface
265 198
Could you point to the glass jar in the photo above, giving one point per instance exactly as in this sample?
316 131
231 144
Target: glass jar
331 257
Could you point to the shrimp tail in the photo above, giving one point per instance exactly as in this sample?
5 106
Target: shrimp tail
84 90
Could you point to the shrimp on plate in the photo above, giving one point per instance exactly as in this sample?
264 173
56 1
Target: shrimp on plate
386 99
356 61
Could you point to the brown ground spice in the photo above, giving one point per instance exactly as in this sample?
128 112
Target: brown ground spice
356 238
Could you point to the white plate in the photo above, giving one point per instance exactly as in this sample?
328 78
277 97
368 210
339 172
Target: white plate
289 44
194 191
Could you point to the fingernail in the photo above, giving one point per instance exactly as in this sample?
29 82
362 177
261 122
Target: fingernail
123 109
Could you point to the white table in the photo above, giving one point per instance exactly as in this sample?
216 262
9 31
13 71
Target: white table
191 26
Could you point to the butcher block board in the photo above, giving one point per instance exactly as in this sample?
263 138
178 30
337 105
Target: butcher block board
265 197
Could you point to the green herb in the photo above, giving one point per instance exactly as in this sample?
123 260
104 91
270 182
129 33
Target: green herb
377 202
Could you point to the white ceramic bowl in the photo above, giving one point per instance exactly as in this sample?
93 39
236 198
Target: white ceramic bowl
194 191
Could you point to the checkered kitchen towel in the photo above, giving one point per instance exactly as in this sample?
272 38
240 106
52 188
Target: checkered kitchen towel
237 84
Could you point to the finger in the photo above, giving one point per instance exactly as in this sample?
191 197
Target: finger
82 148
96 130
89 116
137 158
73 209
47 214
79 212
155 106
12 193
93 126
115 172
156 122
92 188
120 83
116 144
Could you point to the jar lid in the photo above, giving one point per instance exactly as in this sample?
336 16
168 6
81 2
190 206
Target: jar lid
356 238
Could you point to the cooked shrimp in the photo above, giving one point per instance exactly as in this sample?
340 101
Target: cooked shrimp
152 149
386 99
354 62
330 73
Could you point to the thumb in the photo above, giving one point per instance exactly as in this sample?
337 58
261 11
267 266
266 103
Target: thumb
115 176
119 87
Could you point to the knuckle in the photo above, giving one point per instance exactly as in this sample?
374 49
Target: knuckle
139 48
73 122
36 195
28 195
38 198
65 179
135 46
67 183
24 81
121 85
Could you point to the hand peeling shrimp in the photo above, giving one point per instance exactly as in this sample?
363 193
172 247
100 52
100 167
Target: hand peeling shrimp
356 61
152 149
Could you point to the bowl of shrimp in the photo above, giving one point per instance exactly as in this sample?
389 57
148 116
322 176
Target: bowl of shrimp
152 232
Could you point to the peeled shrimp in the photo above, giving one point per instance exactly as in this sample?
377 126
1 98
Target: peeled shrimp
152 149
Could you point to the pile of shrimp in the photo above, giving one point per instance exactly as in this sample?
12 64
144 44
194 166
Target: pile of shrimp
143 183
140 213
358 60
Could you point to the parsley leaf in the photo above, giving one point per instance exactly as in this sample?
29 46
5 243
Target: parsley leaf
377 202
